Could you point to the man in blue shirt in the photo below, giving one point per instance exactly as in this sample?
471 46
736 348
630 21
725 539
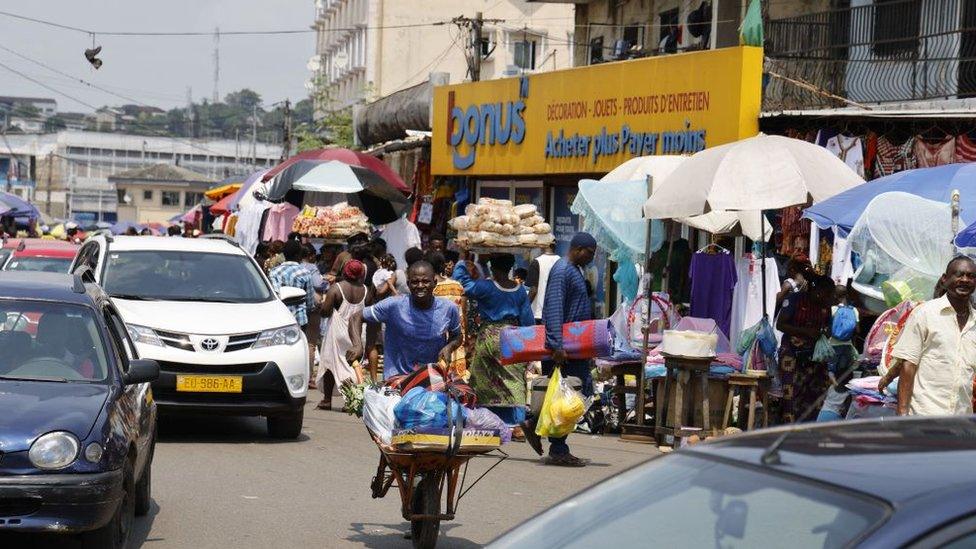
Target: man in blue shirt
420 329
568 299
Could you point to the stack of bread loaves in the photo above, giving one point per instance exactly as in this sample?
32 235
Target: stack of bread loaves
495 223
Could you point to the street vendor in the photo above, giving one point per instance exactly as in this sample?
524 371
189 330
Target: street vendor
501 302
420 329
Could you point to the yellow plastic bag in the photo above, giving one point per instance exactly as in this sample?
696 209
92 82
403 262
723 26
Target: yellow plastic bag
561 410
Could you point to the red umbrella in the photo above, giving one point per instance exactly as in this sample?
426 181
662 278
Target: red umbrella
346 156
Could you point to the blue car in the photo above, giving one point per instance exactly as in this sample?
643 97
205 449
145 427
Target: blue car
77 418
895 482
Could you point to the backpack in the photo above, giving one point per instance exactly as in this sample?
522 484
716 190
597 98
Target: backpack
843 324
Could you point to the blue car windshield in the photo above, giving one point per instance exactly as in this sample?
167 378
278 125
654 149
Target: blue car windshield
52 342
184 276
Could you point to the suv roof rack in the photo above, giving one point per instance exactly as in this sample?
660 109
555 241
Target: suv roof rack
220 236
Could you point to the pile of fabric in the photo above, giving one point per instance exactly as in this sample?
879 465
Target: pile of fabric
340 221
427 410
498 223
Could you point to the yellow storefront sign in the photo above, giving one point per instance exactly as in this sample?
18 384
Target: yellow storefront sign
590 119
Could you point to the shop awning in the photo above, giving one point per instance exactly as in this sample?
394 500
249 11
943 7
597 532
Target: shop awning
389 118
221 191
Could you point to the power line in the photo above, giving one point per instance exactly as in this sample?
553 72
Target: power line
93 32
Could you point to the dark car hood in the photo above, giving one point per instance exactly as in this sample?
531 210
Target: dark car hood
29 409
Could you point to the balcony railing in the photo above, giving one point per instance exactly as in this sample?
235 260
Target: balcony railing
893 50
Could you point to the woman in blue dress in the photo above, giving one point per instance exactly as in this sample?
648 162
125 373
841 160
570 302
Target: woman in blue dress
501 302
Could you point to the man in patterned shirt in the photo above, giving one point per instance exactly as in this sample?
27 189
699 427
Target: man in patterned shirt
292 273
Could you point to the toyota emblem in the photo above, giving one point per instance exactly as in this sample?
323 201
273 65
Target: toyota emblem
210 344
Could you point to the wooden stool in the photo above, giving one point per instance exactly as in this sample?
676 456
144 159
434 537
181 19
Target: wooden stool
756 382
687 368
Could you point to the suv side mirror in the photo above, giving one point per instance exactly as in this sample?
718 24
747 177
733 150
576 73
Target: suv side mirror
141 371
292 295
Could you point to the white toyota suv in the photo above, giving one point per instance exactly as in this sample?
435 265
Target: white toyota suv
203 309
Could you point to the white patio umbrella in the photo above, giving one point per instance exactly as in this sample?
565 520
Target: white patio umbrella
765 172
723 222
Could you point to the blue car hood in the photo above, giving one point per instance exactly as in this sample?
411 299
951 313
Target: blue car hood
29 409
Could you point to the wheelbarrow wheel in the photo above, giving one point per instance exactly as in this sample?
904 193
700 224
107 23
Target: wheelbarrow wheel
426 501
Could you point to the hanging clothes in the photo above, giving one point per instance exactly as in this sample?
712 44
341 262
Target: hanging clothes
793 226
870 153
824 135
935 153
231 225
841 266
248 229
747 302
965 149
849 150
713 277
893 157
281 217
400 236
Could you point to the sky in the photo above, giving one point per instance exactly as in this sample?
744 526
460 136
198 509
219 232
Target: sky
155 70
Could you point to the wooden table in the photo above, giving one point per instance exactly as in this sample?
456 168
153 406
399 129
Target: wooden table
684 370
636 431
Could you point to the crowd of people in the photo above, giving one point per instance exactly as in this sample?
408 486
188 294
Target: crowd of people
434 305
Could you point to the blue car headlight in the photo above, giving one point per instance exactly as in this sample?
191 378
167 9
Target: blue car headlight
55 450
289 335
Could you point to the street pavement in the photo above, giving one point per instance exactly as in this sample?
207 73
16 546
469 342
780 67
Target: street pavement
221 482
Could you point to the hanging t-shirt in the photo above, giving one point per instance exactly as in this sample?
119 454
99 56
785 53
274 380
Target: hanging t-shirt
281 217
248 229
747 302
400 236
893 157
713 278
935 153
965 149
849 150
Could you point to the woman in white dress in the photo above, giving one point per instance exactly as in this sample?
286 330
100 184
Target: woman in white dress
343 300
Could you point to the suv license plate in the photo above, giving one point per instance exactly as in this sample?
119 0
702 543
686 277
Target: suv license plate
210 384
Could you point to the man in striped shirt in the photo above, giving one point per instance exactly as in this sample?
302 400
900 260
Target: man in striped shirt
292 273
568 298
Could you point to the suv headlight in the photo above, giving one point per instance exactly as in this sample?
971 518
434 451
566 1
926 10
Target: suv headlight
289 335
55 450
141 334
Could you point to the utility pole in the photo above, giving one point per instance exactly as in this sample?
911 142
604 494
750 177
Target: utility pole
476 28
50 168
479 23
286 132
254 135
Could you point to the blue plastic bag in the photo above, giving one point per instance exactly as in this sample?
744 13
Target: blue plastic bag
843 324
420 408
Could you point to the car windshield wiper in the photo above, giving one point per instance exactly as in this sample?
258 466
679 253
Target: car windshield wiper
34 378
201 299
133 297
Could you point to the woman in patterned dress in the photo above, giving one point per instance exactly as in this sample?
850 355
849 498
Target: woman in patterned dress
451 289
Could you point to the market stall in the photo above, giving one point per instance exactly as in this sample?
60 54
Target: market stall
751 175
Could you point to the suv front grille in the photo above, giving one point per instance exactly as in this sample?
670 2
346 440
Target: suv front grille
173 339
240 342
183 368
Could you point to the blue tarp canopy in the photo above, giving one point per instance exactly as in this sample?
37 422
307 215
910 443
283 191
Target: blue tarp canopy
844 209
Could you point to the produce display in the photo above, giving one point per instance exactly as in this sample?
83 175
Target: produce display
493 223
340 221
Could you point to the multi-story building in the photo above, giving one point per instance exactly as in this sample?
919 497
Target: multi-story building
26 113
67 172
156 193
367 49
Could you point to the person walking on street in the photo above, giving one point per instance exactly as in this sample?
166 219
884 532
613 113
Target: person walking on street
420 328
313 328
538 277
937 349
804 318
291 273
502 302
344 301
453 291
567 299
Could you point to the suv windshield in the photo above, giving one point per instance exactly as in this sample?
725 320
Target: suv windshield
50 342
35 263
184 276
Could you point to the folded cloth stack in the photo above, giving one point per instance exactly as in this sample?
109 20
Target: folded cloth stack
581 340
865 391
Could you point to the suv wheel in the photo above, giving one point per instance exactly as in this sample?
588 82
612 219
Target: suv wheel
286 426
115 534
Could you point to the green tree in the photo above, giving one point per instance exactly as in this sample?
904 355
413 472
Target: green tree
331 124
244 99
53 124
